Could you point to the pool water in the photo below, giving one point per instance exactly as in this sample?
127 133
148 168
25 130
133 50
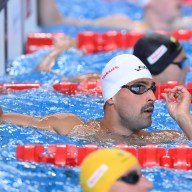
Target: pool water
24 176
18 176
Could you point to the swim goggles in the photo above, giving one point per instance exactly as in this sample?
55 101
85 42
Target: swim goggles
131 178
139 89
181 64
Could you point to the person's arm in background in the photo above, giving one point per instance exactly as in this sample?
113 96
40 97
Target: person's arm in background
50 15
178 102
60 44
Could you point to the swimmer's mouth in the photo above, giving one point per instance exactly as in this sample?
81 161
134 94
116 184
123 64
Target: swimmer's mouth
149 110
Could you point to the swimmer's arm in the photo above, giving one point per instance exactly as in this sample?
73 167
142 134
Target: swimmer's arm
86 77
50 15
61 43
58 123
49 61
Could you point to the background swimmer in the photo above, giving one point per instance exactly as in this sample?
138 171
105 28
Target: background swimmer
171 65
160 14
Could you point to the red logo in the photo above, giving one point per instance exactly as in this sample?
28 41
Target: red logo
109 71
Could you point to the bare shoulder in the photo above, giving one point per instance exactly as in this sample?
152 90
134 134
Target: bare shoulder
86 129
62 123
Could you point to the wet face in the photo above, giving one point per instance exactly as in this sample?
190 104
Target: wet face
132 181
168 10
134 104
177 71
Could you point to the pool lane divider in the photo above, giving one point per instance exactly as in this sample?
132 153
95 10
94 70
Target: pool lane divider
82 88
179 157
93 42
11 87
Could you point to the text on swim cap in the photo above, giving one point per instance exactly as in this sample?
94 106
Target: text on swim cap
97 175
109 71
157 54
140 68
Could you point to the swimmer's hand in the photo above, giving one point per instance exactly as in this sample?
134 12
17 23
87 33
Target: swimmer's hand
63 42
178 101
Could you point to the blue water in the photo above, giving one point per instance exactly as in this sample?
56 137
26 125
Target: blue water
94 9
18 176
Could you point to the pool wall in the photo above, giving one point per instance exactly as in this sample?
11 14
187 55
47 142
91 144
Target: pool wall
17 19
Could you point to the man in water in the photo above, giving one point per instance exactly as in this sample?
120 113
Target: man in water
164 56
160 14
128 92
112 170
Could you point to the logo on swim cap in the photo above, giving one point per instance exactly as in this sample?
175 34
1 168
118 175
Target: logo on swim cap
119 71
140 68
109 71
157 54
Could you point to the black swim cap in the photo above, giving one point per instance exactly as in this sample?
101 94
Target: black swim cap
157 51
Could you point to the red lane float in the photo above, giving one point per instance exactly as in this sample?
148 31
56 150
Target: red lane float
66 87
132 37
36 41
92 42
86 87
94 88
182 34
88 41
179 157
7 87
90 87
187 2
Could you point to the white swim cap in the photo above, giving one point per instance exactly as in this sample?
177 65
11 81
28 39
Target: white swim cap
119 71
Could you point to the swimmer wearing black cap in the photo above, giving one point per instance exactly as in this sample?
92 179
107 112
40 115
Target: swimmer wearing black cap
164 57
128 93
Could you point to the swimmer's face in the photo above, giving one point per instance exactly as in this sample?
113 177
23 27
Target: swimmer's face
135 110
180 66
168 10
132 181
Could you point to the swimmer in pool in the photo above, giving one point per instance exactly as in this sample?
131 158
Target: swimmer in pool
61 44
128 93
160 14
113 170
172 58
164 56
